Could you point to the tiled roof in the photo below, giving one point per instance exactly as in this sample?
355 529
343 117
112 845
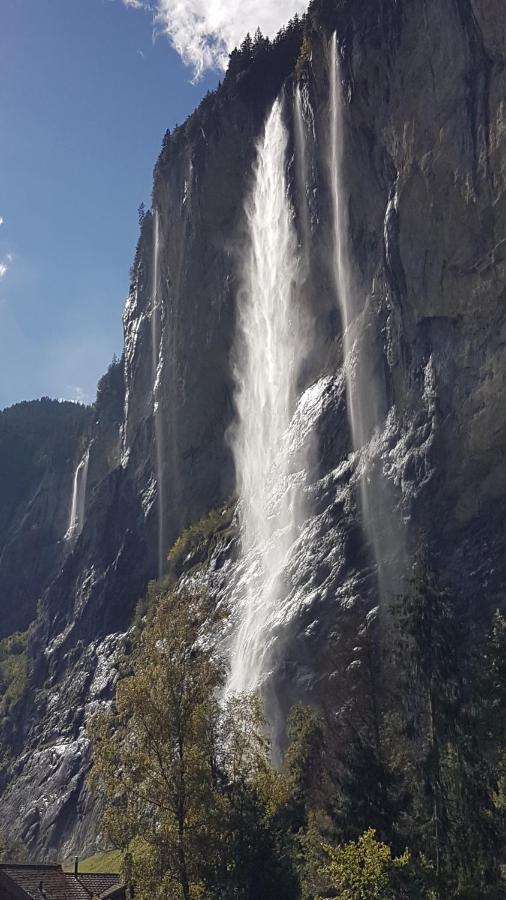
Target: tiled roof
52 883
117 892
30 879
96 883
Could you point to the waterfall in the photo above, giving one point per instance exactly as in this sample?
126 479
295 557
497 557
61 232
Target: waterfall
157 368
269 350
76 520
365 392
301 174
346 293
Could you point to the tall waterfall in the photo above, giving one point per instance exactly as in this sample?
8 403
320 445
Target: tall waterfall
76 519
270 347
365 399
157 366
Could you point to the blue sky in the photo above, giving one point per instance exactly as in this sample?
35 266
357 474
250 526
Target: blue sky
86 94
85 98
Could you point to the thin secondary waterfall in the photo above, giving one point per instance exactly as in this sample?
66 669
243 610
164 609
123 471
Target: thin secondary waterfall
270 347
364 391
301 169
346 294
157 366
76 519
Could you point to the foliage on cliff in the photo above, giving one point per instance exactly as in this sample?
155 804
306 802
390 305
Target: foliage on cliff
111 392
13 670
195 543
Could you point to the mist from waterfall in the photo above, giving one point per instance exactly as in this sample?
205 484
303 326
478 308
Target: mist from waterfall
365 400
270 348
76 519
157 367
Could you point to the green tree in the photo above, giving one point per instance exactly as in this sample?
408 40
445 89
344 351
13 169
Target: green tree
304 764
155 754
450 697
190 795
259 853
423 650
12 849
366 870
246 50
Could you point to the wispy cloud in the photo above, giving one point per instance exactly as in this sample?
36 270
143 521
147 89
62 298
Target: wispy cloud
5 264
80 395
205 31
6 261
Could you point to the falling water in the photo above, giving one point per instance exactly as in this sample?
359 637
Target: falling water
270 348
157 366
301 170
76 520
347 295
366 405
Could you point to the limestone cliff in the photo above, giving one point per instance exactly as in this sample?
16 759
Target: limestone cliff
425 167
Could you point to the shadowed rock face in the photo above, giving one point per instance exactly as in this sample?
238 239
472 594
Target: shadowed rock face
425 169
40 443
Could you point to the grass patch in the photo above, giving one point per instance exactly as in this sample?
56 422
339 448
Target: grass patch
109 862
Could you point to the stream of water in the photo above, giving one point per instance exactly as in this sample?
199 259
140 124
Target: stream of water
270 348
157 366
76 518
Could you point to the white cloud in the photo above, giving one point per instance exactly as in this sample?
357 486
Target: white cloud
5 264
2 220
205 31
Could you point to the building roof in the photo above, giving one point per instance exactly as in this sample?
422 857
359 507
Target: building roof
96 883
52 883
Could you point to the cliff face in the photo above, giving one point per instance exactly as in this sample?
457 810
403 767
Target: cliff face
39 445
424 164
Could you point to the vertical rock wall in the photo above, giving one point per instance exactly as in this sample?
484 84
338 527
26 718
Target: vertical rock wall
425 166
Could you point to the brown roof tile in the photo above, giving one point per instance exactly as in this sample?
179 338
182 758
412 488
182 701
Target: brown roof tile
52 883
96 882
31 878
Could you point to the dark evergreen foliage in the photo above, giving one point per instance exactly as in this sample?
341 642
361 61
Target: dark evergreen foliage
111 393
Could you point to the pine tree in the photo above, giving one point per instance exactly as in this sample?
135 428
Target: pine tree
451 696
423 651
